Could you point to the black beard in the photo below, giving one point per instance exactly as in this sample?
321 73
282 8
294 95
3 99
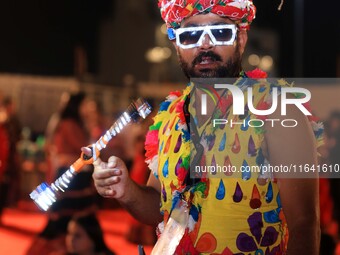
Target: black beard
230 69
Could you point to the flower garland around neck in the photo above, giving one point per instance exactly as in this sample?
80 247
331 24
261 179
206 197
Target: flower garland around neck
197 192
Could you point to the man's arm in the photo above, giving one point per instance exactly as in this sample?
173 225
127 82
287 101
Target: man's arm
300 197
143 202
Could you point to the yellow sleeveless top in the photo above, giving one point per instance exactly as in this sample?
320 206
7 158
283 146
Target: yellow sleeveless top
230 212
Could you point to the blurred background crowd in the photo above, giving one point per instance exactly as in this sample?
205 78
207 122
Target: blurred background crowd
69 68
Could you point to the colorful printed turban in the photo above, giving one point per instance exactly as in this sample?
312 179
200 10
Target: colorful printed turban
240 11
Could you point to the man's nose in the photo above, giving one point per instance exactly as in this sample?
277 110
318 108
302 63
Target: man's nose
207 42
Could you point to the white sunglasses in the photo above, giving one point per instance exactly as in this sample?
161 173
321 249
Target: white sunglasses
191 37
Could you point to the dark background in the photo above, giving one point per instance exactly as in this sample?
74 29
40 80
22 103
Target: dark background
39 37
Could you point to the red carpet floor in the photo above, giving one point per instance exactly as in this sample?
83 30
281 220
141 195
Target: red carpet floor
20 226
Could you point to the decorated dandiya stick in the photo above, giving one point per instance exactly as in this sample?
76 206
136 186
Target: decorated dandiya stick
45 195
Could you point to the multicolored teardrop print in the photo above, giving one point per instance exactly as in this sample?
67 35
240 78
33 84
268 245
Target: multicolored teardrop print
246 174
213 165
262 88
161 147
167 145
228 165
211 141
221 147
178 144
251 147
165 170
172 123
164 196
172 108
238 194
178 166
165 127
260 158
236 145
220 194
269 194
255 201
245 124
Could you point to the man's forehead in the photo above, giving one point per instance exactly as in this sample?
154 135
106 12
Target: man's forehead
205 20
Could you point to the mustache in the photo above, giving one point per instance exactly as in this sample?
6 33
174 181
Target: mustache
206 54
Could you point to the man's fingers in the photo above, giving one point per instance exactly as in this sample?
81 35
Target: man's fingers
114 162
109 177
99 174
112 159
97 162
106 192
109 193
104 183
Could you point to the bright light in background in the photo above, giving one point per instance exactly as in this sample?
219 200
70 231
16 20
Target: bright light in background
254 60
266 63
158 54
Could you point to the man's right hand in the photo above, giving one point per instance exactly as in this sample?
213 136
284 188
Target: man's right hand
111 179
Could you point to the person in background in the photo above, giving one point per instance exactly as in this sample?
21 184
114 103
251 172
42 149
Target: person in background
97 124
85 237
50 148
69 136
4 154
13 127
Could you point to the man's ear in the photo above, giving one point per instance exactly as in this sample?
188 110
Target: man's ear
242 38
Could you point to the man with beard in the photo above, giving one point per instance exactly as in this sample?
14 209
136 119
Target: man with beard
232 213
